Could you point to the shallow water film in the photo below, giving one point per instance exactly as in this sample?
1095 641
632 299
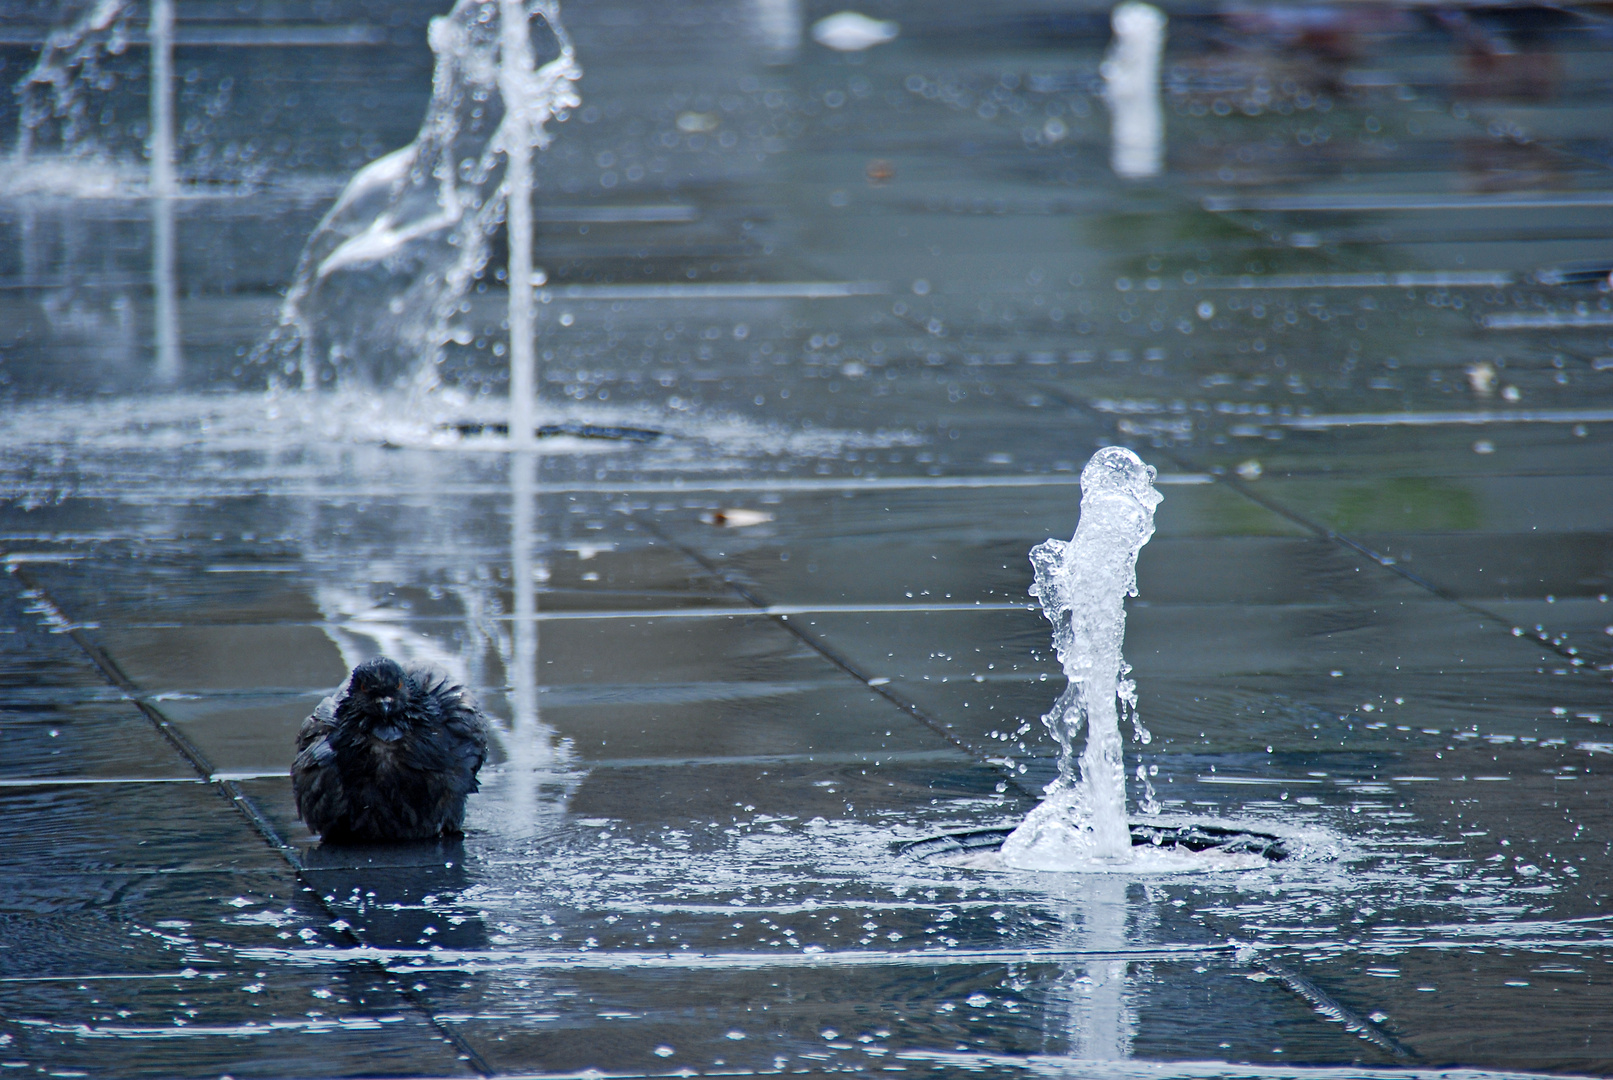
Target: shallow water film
828 310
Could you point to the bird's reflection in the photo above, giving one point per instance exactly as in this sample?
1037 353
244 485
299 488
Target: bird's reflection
400 895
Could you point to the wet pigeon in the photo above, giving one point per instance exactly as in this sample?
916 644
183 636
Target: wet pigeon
390 756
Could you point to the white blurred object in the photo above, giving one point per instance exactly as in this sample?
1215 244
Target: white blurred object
848 31
778 28
1131 87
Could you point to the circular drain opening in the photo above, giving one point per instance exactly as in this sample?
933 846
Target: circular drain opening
1193 838
613 432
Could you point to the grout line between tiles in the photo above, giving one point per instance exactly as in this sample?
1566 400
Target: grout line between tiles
880 686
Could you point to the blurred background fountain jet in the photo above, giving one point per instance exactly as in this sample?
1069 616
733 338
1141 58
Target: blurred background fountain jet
777 26
66 147
61 99
1131 88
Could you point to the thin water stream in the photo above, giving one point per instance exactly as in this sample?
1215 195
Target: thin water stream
164 278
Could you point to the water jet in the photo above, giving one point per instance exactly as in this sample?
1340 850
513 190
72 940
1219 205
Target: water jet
379 290
1082 585
1082 824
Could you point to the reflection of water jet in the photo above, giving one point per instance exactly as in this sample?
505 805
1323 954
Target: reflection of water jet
527 744
1102 1024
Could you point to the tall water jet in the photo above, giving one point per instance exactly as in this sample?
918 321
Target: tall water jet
515 78
380 287
515 83
163 270
1131 88
1082 586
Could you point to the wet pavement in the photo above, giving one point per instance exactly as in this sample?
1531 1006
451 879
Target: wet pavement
882 306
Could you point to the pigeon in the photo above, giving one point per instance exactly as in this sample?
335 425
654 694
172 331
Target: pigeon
391 755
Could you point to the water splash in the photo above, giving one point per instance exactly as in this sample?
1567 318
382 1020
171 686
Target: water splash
55 97
382 279
1082 585
62 149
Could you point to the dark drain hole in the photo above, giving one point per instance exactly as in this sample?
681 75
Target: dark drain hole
548 431
1184 837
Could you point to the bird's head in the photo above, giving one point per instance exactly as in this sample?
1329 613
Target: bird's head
379 689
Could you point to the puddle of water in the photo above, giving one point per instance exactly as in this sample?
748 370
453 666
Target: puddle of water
1347 319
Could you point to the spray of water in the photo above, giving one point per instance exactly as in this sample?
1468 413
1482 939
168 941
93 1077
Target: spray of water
381 283
1082 586
64 146
54 98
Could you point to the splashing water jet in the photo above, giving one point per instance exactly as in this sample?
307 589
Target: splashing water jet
55 113
379 292
1082 586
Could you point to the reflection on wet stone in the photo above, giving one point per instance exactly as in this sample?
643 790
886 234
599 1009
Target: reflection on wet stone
398 896
880 284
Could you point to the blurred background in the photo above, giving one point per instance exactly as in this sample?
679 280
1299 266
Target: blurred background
966 171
